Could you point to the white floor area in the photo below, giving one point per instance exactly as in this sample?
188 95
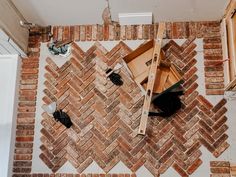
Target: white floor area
203 171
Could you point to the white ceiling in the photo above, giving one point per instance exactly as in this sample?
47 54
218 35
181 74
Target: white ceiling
70 12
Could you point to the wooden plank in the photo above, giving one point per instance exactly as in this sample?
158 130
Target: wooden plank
151 78
168 83
229 10
169 89
224 42
140 50
161 78
231 48
175 72
172 79
230 20
231 85
142 77
234 43
61 43
141 63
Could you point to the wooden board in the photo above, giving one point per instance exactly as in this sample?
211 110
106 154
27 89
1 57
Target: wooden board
168 83
234 41
175 72
169 89
139 51
141 63
165 78
61 43
142 77
151 79
231 85
230 20
229 9
161 78
225 51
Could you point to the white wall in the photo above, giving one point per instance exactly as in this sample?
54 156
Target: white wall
9 83
61 12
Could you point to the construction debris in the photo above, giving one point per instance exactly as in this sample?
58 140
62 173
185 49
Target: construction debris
155 75
139 62
61 48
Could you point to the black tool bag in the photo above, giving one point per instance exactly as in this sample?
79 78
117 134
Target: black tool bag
168 102
115 78
61 116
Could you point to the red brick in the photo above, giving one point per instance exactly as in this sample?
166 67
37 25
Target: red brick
219 105
128 32
21 170
22 157
212 46
106 32
215 86
215 92
219 163
207 145
88 32
82 33
24 139
214 79
221 149
179 170
219 123
220 170
205 102
194 166
223 138
219 113
216 68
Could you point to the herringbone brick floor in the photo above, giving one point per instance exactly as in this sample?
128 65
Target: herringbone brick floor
106 117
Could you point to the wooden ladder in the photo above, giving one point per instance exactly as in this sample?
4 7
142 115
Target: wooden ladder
151 78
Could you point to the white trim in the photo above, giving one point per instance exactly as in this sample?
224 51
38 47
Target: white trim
135 18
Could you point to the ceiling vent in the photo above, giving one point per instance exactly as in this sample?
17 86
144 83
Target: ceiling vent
135 18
